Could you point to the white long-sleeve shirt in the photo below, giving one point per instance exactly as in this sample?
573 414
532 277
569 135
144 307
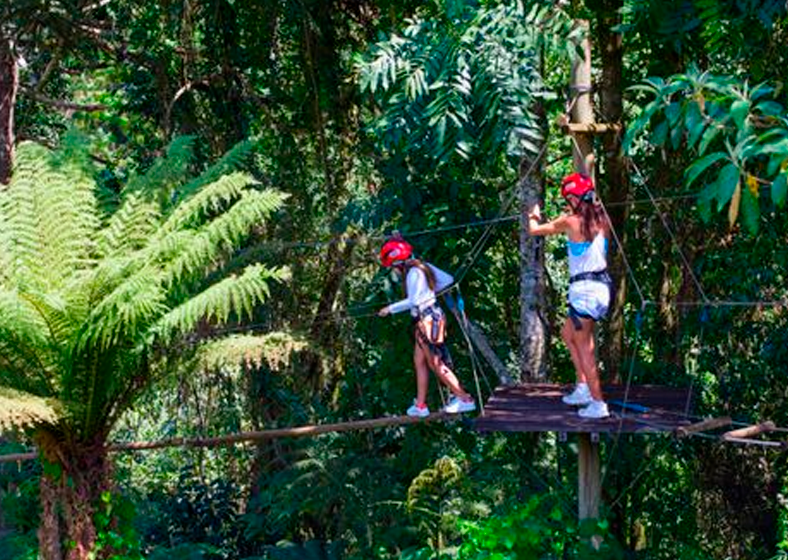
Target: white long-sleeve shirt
420 296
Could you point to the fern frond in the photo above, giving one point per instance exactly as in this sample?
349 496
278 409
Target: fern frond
22 411
51 216
129 309
222 234
274 349
23 344
234 295
130 227
208 202
165 175
230 162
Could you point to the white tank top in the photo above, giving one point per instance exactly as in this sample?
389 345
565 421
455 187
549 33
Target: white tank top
588 256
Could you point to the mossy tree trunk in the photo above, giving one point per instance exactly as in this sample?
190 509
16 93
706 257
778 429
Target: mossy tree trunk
76 475
9 84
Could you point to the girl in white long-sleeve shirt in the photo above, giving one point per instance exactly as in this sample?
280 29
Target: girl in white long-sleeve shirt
422 281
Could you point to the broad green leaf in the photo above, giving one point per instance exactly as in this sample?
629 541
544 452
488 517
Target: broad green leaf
770 108
776 164
729 183
739 111
751 211
694 123
711 133
676 135
673 112
702 164
779 189
660 134
704 204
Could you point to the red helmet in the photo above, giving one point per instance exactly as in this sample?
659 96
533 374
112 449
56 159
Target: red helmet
395 250
577 184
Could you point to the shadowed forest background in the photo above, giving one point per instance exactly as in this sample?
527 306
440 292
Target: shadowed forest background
193 197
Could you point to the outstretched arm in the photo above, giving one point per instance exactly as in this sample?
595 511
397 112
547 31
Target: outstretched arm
559 225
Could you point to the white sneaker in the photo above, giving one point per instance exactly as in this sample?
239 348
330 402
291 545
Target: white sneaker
457 405
597 409
418 411
581 396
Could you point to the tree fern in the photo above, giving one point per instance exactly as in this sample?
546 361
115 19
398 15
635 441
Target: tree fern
89 301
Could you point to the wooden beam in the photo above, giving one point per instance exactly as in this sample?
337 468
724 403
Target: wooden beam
759 442
249 437
592 128
749 431
18 457
702 426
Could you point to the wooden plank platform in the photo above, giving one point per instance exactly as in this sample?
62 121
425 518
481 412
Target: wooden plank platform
538 408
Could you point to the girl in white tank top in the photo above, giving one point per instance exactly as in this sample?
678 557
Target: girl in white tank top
586 227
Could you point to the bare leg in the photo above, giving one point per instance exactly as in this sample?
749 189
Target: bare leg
569 334
584 340
422 373
447 377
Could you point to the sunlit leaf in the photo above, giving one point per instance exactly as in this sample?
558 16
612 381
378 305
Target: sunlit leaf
733 209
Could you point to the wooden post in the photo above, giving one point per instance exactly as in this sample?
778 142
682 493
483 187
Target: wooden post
589 479
582 109
582 117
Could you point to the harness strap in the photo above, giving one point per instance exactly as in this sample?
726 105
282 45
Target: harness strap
595 275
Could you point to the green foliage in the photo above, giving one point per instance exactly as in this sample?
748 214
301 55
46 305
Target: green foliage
195 518
463 82
433 499
310 550
116 538
537 529
19 506
738 133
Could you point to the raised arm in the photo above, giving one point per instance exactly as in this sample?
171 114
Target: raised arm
559 225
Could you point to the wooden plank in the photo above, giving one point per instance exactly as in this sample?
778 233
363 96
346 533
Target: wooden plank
537 407
749 431
703 426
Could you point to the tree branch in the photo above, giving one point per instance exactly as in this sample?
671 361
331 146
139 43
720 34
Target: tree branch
64 105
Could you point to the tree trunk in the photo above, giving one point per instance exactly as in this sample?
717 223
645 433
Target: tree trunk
533 332
75 476
324 329
616 180
9 84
